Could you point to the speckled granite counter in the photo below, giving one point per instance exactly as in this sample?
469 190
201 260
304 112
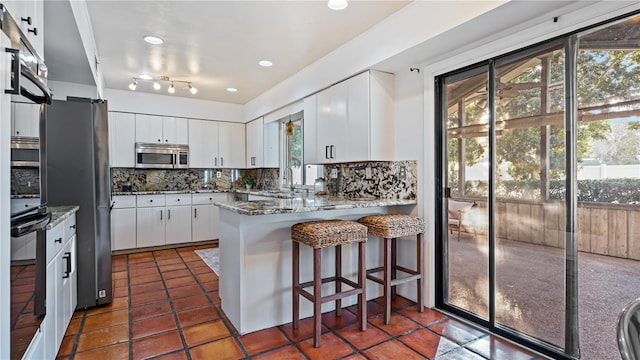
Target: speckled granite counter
119 193
25 196
60 213
305 204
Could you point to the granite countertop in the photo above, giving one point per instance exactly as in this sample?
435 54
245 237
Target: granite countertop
306 204
206 191
25 196
60 213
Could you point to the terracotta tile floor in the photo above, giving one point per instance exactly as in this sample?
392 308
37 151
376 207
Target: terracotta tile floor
166 306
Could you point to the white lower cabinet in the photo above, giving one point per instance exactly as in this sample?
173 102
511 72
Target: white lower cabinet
61 298
35 350
163 219
150 226
205 216
178 223
123 222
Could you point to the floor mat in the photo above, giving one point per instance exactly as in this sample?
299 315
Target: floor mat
211 257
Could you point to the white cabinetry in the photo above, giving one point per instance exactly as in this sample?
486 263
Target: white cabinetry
29 16
214 144
204 218
122 138
255 142
123 222
178 224
150 215
309 126
354 120
61 275
161 129
25 120
231 147
163 219
203 144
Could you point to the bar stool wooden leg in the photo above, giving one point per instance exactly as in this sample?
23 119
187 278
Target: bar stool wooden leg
338 250
317 303
362 279
420 266
394 273
295 255
387 280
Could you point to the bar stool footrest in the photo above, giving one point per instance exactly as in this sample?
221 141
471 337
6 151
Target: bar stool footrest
323 299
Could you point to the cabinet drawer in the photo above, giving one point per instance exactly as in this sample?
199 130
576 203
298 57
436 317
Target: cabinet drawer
178 199
123 201
22 204
55 239
206 199
69 227
150 200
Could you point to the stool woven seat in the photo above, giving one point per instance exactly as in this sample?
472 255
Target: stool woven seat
318 235
393 225
324 233
390 227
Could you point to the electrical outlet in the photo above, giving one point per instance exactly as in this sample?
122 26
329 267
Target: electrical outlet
367 172
334 173
218 174
102 293
402 173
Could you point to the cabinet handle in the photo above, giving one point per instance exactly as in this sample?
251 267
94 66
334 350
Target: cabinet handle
18 133
72 226
221 161
159 140
195 213
34 31
27 20
326 152
169 214
216 158
166 140
151 200
178 200
15 69
331 152
210 199
58 240
67 257
160 214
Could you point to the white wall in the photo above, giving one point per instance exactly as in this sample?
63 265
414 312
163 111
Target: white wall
63 89
155 104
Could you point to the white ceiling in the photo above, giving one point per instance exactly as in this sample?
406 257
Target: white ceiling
217 44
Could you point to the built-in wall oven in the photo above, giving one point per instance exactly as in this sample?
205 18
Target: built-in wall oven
25 151
161 156
25 82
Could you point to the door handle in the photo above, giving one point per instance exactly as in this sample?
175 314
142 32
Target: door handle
15 69
195 213
160 214
169 214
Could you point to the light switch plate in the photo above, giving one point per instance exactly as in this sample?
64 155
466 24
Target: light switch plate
334 173
402 173
218 174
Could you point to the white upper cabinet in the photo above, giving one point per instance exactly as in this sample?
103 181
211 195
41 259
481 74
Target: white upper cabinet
231 147
255 142
271 146
122 138
354 120
25 120
175 130
203 144
29 16
160 129
309 130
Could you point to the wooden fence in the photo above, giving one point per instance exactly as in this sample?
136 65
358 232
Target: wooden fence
606 229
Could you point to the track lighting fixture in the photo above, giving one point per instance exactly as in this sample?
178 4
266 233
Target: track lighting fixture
157 83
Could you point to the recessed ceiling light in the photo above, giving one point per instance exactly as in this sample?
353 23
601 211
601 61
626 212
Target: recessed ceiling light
153 40
232 89
145 77
265 63
337 4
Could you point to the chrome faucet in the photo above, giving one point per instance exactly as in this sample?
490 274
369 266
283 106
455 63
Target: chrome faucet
290 178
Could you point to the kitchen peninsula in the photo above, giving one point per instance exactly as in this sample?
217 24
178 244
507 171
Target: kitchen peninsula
255 254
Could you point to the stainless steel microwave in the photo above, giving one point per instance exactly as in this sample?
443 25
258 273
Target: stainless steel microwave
25 151
162 156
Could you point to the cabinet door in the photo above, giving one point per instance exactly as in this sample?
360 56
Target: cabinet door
73 279
178 224
29 16
309 130
271 139
122 138
67 265
201 222
148 128
123 229
203 144
49 323
26 120
254 139
175 130
331 123
231 147
150 225
356 147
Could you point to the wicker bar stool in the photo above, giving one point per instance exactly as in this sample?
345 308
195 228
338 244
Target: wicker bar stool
390 227
318 235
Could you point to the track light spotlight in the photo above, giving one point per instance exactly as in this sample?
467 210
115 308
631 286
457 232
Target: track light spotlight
133 84
171 89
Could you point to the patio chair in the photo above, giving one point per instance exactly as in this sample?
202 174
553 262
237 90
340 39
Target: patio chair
629 331
456 211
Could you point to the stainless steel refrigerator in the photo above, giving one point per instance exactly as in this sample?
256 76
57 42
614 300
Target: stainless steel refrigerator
77 173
